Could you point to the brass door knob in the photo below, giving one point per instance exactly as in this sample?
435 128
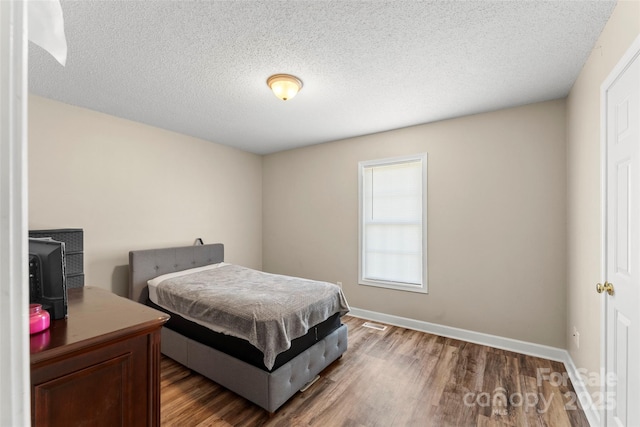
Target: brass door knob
606 287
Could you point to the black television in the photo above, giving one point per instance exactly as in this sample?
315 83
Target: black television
47 281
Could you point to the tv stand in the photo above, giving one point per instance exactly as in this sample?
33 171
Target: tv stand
100 366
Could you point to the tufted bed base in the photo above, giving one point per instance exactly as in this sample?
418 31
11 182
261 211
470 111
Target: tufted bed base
268 390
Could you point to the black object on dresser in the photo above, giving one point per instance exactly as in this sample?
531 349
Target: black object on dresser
73 239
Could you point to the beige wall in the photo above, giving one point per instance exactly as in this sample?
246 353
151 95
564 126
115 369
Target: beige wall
132 186
496 220
583 180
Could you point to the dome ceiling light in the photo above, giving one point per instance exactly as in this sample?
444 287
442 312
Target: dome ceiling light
284 86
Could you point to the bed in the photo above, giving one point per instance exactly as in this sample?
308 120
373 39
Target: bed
231 361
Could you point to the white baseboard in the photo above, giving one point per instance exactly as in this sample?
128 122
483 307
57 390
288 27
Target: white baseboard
510 344
583 394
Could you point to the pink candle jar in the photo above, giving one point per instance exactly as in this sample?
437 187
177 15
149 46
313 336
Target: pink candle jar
38 318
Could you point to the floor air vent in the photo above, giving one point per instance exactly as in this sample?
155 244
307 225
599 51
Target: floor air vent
375 326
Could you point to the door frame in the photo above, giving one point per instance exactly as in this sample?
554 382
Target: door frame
623 63
14 367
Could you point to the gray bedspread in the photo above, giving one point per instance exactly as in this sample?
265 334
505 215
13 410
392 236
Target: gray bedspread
268 310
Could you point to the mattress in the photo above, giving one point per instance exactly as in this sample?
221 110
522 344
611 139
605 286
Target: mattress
242 349
267 310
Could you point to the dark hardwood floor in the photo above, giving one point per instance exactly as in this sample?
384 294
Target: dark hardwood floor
396 377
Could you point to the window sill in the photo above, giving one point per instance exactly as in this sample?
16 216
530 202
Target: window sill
422 289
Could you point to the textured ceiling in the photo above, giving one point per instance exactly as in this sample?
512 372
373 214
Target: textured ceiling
200 67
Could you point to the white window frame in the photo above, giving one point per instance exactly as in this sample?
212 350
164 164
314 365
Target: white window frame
411 287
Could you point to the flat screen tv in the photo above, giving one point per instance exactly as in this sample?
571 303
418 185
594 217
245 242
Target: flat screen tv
47 281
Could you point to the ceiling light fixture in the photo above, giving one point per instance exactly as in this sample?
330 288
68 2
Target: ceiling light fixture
284 86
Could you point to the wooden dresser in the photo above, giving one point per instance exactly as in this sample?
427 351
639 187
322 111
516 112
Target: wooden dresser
100 366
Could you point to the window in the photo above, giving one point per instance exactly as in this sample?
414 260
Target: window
393 225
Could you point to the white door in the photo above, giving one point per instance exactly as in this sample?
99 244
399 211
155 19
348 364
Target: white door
621 97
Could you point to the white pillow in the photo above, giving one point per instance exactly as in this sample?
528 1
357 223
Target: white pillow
153 283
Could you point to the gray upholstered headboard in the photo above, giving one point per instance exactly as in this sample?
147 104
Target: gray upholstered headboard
150 263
